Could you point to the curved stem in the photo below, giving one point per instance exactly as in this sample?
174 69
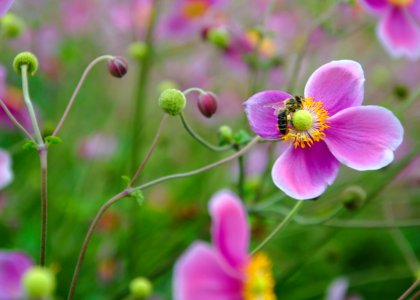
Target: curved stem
409 290
193 89
43 156
27 98
87 239
13 119
201 140
283 224
200 170
76 91
149 153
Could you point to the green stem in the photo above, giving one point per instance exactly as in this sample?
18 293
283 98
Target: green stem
43 157
27 98
282 225
409 290
145 66
13 119
241 178
77 89
201 140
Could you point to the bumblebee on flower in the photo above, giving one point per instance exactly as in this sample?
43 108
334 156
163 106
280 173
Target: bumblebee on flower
326 126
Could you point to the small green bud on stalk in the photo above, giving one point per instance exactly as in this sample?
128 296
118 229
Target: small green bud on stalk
38 282
354 197
138 50
11 26
225 135
141 287
26 58
172 101
219 37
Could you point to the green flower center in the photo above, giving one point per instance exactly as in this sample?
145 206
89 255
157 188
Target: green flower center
302 120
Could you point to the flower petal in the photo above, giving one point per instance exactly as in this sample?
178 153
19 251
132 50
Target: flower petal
338 85
5 6
230 230
201 274
13 265
305 173
6 174
414 9
364 138
375 6
399 33
260 110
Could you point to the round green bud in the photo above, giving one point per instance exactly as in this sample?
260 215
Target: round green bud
25 58
225 134
38 282
141 287
172 101
138 50
401 91
165 85
354 197
302 120
219 37
11 26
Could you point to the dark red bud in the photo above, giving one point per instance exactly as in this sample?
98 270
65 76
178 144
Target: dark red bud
117 66
207 104
204 33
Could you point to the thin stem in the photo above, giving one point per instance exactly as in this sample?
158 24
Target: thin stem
43 157
367 224
149 153
27 98
193 89
201 140
13 119
78 87
409 290
283 224
200 170
241 178
88 237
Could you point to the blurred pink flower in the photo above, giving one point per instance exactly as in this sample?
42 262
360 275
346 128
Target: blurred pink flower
13 266
77 15
399 26
98 146
338 290
5 6
6 173
224 270
331 126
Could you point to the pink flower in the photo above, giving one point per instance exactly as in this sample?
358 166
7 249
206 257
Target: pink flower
224 270
6 174
328 127
13 266
98 146
5 6
399 26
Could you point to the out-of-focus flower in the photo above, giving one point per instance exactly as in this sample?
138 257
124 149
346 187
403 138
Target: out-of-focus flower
77 15
327 126
224 270
399 25
6 173
98 146
13 266
5 6
338 290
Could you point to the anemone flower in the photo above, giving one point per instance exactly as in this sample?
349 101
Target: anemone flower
328 127
13 266
224 270
399 26
5 6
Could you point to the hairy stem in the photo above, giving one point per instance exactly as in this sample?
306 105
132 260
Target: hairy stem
78 87
409 290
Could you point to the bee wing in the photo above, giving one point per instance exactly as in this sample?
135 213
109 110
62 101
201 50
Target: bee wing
276 106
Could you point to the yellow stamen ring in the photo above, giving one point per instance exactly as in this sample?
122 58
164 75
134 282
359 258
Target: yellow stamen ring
259 283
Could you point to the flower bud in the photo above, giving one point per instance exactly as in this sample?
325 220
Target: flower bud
225 135
38 282
26 58
354 197
141 287
172 101
138 50
219 37
11 26
117 67
207 104
401 91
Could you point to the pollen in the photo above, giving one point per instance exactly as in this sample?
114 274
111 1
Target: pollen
259 282
306 136
401 3
195 9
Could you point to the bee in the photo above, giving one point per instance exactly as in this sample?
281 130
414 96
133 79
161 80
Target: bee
290 106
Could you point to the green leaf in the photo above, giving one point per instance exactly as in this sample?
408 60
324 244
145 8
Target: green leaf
241 137
53 140
29 145
126 179
138 195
